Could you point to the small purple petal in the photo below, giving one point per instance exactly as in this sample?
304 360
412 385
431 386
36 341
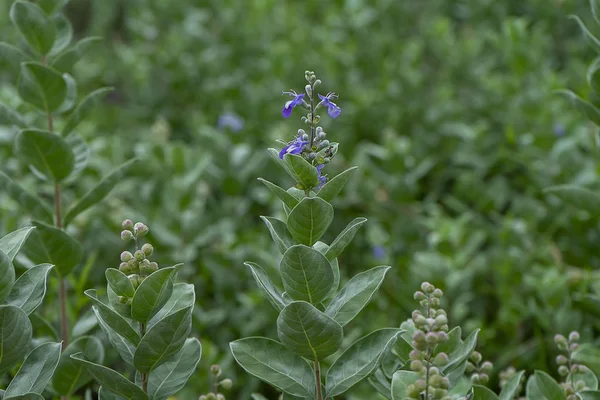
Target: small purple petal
322 179
289 106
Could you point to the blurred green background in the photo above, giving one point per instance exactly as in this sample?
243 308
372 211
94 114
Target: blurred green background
447 108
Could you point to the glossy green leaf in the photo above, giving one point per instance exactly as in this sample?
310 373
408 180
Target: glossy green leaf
308 332
34 25
584 107
400 381
589 395
152 294
81 152
271 362
511 389
112 380
309 220
105 394
36 371
301 170
29 290
8 116
171 377
7 275
47 152
579 197
115 304
119 282
335 266
99 192
12 57
163 340
84 109
42 86
306 274
65 61
113 319
591 39
356 294
279 233
483 393
12 242
49 244
15 335
70 97
593 75
359 361
123 346
28 396
31 204
344 238
284 196
52 6
588 355
64 33
265 284
462 354
183 296
71 374
335 185
542 386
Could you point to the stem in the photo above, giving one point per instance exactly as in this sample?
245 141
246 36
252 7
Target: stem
318 380
427 374
144 376
312 114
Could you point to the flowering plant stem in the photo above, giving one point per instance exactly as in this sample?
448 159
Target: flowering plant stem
317 368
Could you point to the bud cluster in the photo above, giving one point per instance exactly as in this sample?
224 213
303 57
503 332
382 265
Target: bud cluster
431 329
136 266
567 369
217 382
480 370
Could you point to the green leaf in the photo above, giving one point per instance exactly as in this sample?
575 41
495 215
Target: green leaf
308 332
123 346
81 152
172 376
36 371
279 233
12 242
112 319
322 248
42 86
105 394
52 6
112 380
309 220
511 389
15 335
7 275
589 395
183 296
306 274
49 244
28 396
163 340
593 75
359 361
119 282
29 290
462 354
34 25
332 188
284 196
84 109
483 393
301 170
400 382
31 204
70 97
71 375
587 377
113 300
99 192
46 152
152 294
65 61
356 294
588 355
8 116
344 238
579 197
453 343
263 281
584 107
586 33
64 34
542 386
271 362
12 57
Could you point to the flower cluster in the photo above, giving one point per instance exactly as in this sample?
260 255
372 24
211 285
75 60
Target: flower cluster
136 266
215 372
431 330
567 368
480 371
312 145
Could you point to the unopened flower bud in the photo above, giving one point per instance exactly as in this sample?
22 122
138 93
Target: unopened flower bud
470 367
415 354
321 135
442 337
203 397
573 346
419 336
438 293
484 378
441 320
561 360
308 90
435 302
140 229
419 296
475 379
211 396
579 386
412 391
563 370
215 370
126 235
126 256
475 357
220 396
574 336
487 367
127 224
416 365
147 249
427 287
139 255
436 380
421 384
124 267
561 342
226 384
440 359
434 371
324 143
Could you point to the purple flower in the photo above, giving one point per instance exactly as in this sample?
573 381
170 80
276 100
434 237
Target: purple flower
231 121
322 179
332 109
294 147
559 130
289 106
378 252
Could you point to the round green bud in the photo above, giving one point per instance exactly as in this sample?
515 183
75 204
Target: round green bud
487 367
561 359
568 389
438 293
211 396
416 365
124 267
573 346
415 354
126 235
412 391
435 302
127 224
139 255
563 370
442 337
220 396
122 299
203 397
434 371
475 379
475 357
572 397
470 367
574 336
226 384
419 336
215 370
420 321
484 378
140 229
419 296
427 287
579 386
421 384
135 280
441 359
436 381
431 338
126 256
441 320
560 341
147 249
